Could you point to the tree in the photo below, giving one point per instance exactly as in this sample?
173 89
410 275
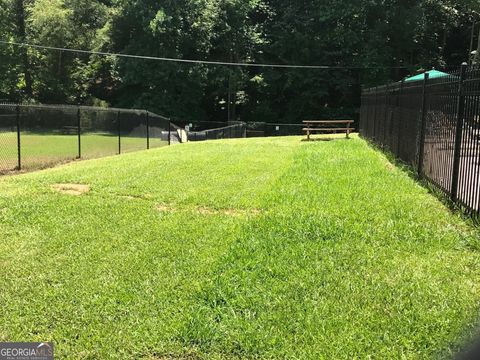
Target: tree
176 29
21 37
9 58
387 38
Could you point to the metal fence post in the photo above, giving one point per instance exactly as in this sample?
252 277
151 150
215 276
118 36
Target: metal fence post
79 134
148 131
19 152
458 133
385 119
169 132
119 133
375 106
361 126
399 118
423 126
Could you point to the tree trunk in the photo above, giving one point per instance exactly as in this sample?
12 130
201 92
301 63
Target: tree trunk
21 37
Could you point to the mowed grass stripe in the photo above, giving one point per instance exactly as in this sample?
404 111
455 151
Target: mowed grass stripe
117 272
335 254
357 261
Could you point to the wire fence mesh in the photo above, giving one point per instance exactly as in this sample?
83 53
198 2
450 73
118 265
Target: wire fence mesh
233 131
433 125
214 129
48 135
8 138
201 131
99 133
260 129
38 136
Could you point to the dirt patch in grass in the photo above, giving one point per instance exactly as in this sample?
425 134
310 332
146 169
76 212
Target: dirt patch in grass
389 166
227 212
165 208
128 197
174 357
207 211
71 189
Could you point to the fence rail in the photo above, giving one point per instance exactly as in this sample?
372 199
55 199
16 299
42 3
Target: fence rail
38 136
433 125
208 130
260 129
232 131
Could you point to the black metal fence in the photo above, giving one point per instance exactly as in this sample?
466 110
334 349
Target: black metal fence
200 131
38 136
433 125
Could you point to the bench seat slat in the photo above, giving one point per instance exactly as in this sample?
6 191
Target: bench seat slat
328 126
328 122
327 129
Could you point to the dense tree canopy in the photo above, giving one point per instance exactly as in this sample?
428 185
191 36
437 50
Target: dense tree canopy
390 37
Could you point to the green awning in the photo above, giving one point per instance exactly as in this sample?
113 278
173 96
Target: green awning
433 74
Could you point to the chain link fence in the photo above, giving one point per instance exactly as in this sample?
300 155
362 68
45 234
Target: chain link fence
39 136
264 129
433 125
8 138
232 131
201 131
210 130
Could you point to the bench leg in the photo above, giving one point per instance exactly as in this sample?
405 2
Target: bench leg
308 135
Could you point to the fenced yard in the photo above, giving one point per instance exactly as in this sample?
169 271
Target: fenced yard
44 150
433 125
38 136
248 248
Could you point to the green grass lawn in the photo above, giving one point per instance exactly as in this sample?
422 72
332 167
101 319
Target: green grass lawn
249 248
43 150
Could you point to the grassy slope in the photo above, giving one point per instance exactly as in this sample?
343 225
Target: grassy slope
347 258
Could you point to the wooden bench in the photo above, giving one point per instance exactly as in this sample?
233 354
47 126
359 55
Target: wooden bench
331 126
70 130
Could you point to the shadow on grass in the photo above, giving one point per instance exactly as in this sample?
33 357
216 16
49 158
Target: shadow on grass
468 215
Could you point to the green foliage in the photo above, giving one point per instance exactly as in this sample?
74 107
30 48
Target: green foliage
9 57
381 34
